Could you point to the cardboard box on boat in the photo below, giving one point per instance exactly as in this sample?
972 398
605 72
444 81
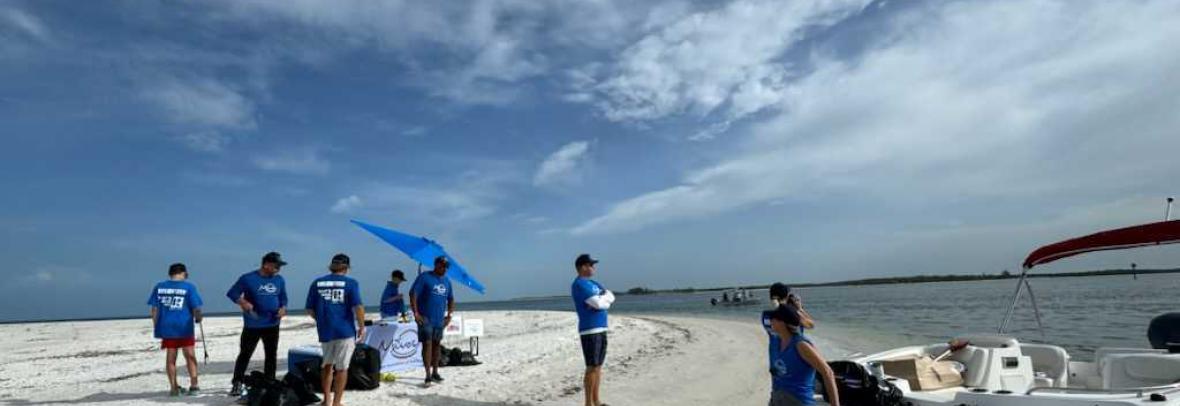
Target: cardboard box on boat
923 373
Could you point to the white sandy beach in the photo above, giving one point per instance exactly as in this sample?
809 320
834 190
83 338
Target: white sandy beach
529 358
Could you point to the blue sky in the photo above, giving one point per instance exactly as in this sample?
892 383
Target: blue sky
684 143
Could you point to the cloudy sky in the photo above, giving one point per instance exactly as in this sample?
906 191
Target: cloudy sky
686 143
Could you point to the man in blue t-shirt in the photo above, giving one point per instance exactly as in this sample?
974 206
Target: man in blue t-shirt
392 304
432 301
591 302
175 306
262 295
780 294
334 301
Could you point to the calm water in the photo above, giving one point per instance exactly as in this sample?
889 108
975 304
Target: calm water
1080 314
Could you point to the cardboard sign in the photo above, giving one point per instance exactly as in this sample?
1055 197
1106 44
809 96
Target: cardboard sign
473 328
456 326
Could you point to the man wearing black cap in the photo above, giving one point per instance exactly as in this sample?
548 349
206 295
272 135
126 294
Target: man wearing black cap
591 302
433 301
334 302
393 306
780 295
262 295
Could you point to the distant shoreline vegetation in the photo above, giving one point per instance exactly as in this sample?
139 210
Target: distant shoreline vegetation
916 279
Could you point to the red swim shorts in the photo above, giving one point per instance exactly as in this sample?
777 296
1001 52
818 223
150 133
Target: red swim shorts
169 343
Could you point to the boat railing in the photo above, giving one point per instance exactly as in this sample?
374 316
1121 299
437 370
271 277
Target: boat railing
1139 392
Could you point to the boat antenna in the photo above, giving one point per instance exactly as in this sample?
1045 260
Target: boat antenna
1168 212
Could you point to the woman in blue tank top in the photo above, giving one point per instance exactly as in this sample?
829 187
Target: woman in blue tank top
794 364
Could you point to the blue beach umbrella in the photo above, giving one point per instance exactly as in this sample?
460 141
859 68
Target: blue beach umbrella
423 250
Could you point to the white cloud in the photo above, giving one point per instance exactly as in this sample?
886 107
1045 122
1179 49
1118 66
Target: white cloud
302 161
471 195
710 59
1039 99
205 141
25 24
562 166
347 204
202 101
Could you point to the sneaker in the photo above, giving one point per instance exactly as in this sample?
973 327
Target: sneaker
426 383
174 392
236 390
194 391
435 377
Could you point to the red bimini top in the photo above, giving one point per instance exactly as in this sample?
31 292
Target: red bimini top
1165 232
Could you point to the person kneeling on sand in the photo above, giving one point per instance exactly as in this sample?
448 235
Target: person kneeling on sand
333 300
794 364
175 306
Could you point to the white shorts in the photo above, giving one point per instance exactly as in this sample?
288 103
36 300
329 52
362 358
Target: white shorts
338 353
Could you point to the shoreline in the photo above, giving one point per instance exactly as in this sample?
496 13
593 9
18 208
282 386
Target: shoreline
529 358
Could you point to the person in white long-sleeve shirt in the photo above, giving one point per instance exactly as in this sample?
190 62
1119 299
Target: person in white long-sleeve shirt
591 301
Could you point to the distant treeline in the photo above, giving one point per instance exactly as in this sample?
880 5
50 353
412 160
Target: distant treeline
921 279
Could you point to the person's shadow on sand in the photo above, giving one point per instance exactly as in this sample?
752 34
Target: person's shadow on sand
117 398
440 400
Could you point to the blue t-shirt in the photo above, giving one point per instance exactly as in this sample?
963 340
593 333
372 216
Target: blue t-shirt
388 307
267 294
334 298
589 319
791 373
432 292
175 302
773 336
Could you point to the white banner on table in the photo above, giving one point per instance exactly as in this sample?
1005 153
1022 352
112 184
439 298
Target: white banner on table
398 345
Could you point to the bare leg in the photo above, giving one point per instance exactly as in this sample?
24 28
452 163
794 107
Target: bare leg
437 354
190 360
341 381
597 384
170 366
326 384
427 360
587 386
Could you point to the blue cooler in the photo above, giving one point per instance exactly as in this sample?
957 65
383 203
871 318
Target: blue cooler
301 354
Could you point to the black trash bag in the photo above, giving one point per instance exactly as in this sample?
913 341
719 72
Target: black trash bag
262 390
311 373
364 372
858 387
299 392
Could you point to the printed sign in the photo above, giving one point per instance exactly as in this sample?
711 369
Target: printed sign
456 326
473 328
398 345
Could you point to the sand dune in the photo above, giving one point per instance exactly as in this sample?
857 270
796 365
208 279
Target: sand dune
530 358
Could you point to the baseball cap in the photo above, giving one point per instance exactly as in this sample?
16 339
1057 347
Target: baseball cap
779 290
787 314
584 259
341 259
176 268
274 258
397 273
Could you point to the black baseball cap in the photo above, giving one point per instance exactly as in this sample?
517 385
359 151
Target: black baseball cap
176 268
273 258
397 273
584 259
779 290
341 259
787 314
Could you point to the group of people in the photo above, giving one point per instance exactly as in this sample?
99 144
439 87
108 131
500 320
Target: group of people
333 301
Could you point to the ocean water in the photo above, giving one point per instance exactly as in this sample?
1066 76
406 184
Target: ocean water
1079 313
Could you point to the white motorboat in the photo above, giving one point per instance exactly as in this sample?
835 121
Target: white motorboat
998 369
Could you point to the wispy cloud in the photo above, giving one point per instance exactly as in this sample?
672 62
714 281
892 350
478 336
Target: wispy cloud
563 166
25 24
300 161
205 141
952 108
729 58
202 101
467 196
346 204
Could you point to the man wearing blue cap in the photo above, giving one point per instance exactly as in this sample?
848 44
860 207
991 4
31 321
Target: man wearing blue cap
591 302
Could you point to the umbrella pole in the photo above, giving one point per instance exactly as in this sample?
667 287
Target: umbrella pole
419 269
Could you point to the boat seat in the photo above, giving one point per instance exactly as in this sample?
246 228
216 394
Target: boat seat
1050 360
1102 356
974 360
1140 370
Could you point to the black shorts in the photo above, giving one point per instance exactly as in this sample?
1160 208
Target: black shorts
594 349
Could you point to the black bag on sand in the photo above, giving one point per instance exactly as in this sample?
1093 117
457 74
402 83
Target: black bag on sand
262 390
310 371
456 357
857 387
364 372
299 392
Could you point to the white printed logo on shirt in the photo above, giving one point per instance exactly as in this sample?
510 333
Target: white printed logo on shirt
269 289
173 299
440 289
331 291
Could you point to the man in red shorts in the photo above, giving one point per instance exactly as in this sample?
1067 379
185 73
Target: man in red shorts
175 306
